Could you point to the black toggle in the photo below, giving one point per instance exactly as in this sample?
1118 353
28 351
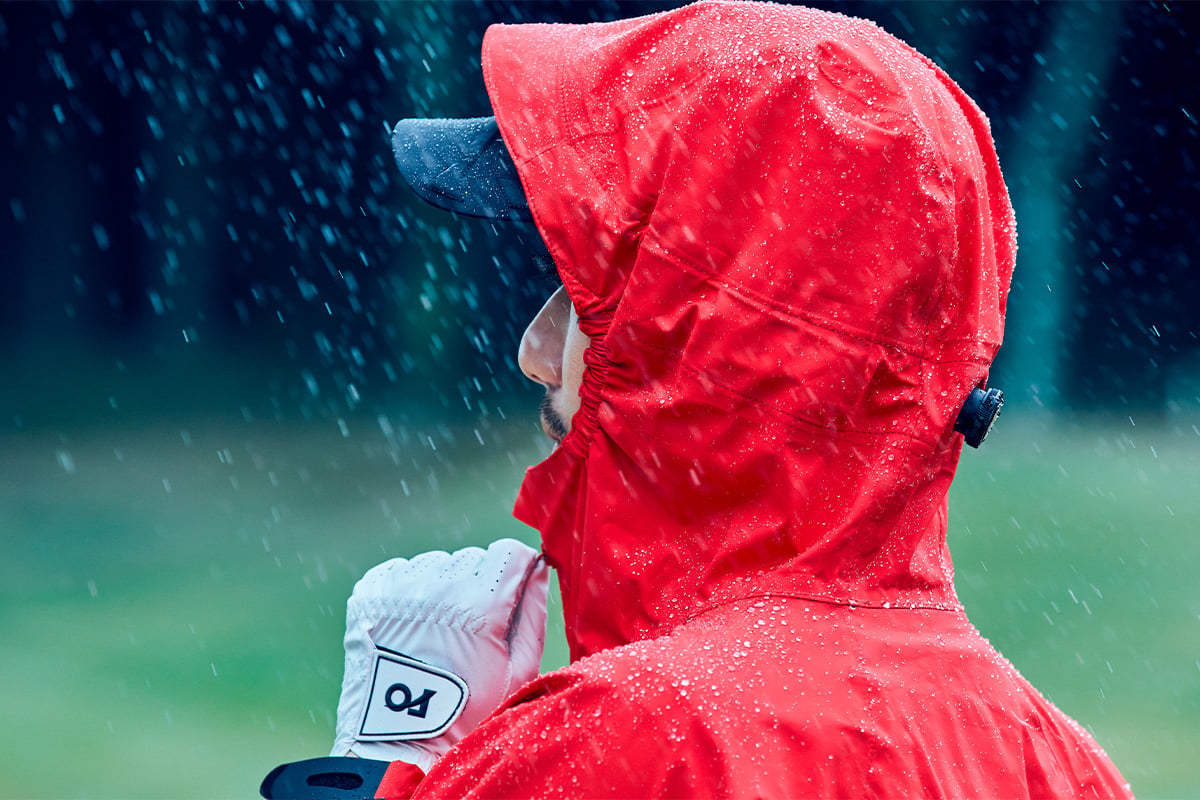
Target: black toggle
329 778
978 413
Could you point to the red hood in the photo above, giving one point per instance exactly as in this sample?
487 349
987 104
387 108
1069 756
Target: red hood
787 235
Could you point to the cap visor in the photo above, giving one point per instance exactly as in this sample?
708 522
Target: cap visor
460 165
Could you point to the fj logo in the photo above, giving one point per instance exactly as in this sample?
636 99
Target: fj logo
410 699
416 708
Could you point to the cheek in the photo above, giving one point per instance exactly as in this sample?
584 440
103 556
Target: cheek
572 368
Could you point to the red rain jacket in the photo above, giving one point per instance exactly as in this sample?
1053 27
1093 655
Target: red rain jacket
787 235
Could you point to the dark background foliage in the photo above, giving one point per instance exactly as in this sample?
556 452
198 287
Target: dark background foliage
199 206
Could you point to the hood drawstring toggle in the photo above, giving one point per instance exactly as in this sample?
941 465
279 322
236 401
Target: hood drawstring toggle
977 415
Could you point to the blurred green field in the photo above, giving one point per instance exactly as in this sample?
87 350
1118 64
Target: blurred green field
173 596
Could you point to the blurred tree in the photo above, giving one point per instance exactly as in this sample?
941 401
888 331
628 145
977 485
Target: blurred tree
1131 219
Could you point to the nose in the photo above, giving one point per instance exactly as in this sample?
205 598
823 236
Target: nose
540 354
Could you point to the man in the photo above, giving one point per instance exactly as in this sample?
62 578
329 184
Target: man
785 246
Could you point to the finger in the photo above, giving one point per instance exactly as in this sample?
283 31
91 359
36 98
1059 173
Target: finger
502 575
527 628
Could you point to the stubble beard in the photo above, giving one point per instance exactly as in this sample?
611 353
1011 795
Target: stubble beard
552 421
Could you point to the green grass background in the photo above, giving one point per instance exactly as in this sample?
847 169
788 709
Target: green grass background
173 596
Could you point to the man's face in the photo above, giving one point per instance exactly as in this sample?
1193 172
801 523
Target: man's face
551 353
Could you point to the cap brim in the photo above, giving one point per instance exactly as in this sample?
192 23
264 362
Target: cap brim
460 165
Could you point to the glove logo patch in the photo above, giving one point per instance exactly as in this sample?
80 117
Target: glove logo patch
410 700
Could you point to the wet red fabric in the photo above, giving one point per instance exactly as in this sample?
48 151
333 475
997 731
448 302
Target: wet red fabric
787 235
400 780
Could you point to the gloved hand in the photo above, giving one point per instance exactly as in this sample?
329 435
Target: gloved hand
434 644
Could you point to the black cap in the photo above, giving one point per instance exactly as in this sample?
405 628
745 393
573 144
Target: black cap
460 165
977 415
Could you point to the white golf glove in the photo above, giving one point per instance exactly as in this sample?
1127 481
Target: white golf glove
434 644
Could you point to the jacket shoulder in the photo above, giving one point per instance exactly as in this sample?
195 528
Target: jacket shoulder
620 723
728 708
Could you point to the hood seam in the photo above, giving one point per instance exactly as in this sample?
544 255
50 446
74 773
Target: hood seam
949 608
790 314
